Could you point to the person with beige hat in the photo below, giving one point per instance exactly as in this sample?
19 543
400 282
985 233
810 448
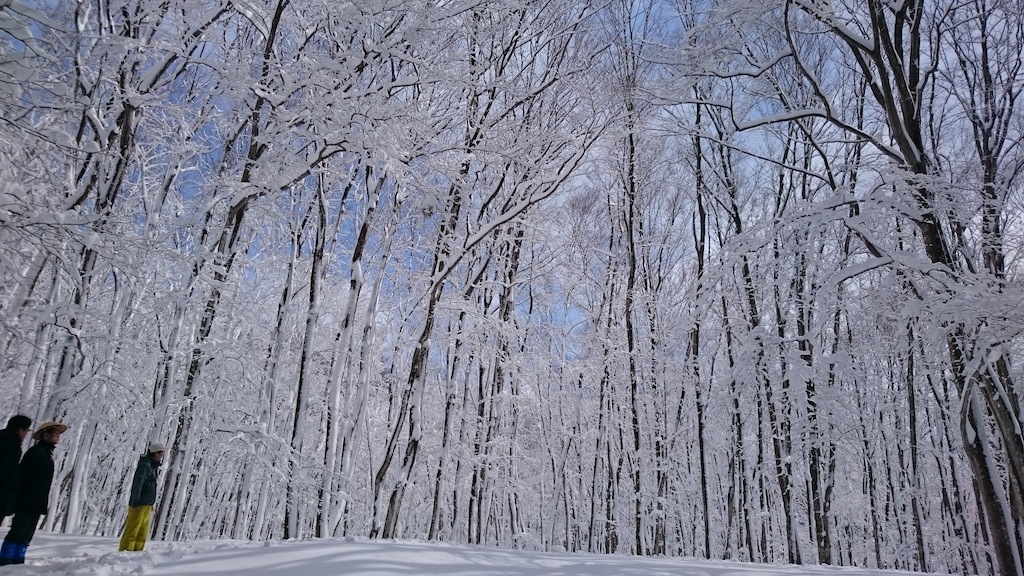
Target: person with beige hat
30 502
141 500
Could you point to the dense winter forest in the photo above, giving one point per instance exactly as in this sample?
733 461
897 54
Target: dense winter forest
734 279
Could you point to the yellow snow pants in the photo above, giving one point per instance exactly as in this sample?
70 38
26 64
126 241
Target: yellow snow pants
136 528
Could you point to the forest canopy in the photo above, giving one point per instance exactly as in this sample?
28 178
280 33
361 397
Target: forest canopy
736 280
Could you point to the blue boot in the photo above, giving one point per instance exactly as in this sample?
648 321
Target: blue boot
19 553
7 553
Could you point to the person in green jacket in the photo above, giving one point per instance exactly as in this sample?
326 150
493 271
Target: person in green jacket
143 496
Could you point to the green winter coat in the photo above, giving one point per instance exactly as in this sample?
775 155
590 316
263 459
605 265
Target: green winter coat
144 482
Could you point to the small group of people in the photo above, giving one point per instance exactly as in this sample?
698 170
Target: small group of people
25 486
26 482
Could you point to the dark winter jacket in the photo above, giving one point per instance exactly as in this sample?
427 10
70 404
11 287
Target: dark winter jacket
34 479
144 482
10 456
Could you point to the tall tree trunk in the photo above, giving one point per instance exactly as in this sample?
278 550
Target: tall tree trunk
700 236
294 519
344 363
916 491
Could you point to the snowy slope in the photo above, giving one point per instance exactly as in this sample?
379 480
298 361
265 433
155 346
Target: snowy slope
63 555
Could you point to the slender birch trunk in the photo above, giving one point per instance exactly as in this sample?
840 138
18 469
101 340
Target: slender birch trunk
345 363
294 519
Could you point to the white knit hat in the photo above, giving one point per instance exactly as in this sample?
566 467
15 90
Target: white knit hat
155 447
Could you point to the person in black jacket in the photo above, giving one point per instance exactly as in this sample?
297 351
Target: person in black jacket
34 478
141 500
11 438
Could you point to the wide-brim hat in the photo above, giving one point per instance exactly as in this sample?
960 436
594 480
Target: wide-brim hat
46 426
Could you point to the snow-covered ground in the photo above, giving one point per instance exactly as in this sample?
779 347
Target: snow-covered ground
63 555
